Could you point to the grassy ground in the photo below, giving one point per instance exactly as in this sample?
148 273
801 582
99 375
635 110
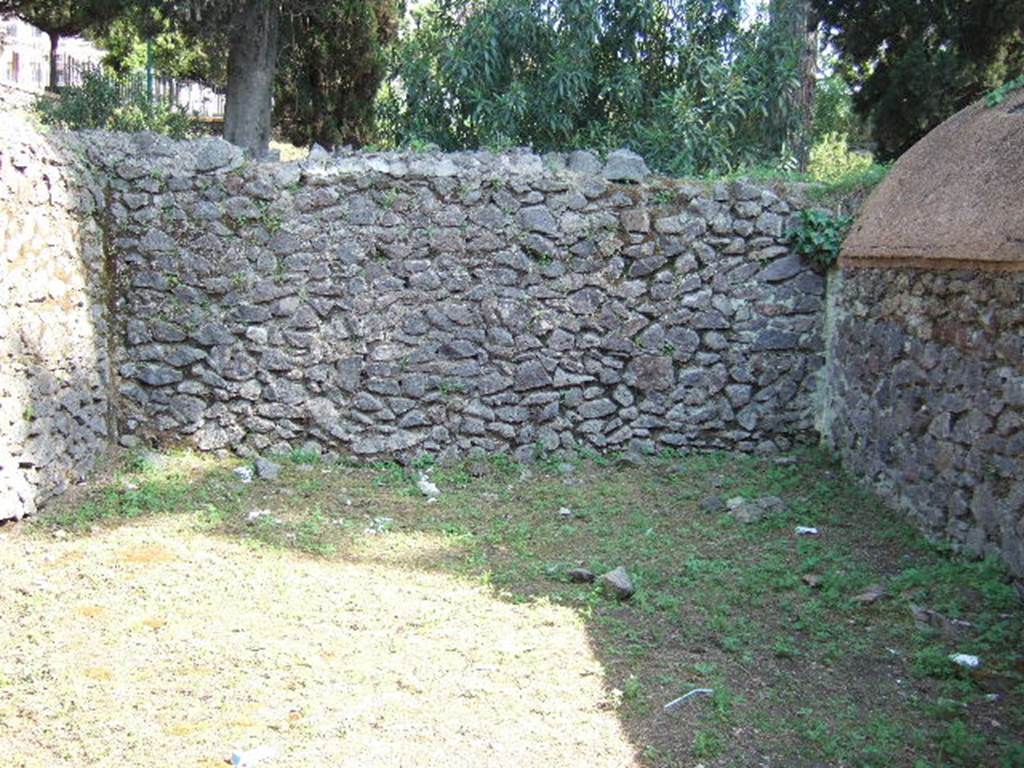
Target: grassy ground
336 613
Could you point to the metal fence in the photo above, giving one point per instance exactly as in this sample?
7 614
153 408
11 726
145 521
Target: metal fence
195 98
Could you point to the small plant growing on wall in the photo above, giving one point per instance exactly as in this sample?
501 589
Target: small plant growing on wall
818 235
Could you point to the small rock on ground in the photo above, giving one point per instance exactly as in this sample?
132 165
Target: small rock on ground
950 629
267 469
244 474
580 576
712 504
754 510
872 594
618 584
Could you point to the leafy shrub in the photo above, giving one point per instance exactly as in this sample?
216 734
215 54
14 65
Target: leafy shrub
819 235
105 103
685 84
998 96
90 105
832 159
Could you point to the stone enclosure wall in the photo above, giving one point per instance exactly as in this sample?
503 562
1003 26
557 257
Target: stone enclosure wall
55 398
925 398
391 305
157 292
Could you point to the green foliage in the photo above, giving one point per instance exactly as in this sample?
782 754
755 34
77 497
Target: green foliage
834 110
832 159
174 54
107 103
683 83
855 182
913 64
998 96
819 235
62 17
330 67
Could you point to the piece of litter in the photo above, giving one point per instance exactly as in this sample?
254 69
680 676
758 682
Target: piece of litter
565 512
244 474
379 525
256 514
965 660
685 696
427 488
251 757
806 530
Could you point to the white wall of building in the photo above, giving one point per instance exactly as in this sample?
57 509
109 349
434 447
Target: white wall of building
25 54
25 64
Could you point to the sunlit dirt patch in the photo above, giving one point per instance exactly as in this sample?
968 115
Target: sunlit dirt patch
154 644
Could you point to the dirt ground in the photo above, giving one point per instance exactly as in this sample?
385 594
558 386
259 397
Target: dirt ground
172 612
155 644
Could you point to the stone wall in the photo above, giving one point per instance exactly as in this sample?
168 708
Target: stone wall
925 398
54 365
390 305
397 304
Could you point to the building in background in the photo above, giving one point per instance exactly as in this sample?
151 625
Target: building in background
25 56
25 64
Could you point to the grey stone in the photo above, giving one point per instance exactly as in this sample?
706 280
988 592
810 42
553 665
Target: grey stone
215 154
755 510
713 504
537 218
782 269
267 469
531 375
581 161
624 165
158 375
618 584
580 576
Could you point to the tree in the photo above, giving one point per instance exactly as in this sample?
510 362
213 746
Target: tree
681 81
252 64
913 63
795 25
252 30
140 35
61 18
330 66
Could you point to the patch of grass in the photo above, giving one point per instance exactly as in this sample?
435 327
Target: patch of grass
808 673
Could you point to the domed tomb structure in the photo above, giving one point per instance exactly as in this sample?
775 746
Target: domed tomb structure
924 392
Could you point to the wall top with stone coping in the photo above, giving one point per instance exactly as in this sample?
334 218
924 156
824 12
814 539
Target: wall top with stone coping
130 156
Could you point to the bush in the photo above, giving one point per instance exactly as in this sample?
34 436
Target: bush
102 102
832 159
818 235
693 90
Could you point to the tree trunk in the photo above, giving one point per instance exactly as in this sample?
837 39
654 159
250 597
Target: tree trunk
796 23
54 41
252 62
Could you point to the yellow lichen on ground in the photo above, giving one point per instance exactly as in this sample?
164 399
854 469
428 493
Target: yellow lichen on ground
157 640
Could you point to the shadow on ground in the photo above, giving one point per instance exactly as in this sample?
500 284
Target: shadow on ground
336 613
